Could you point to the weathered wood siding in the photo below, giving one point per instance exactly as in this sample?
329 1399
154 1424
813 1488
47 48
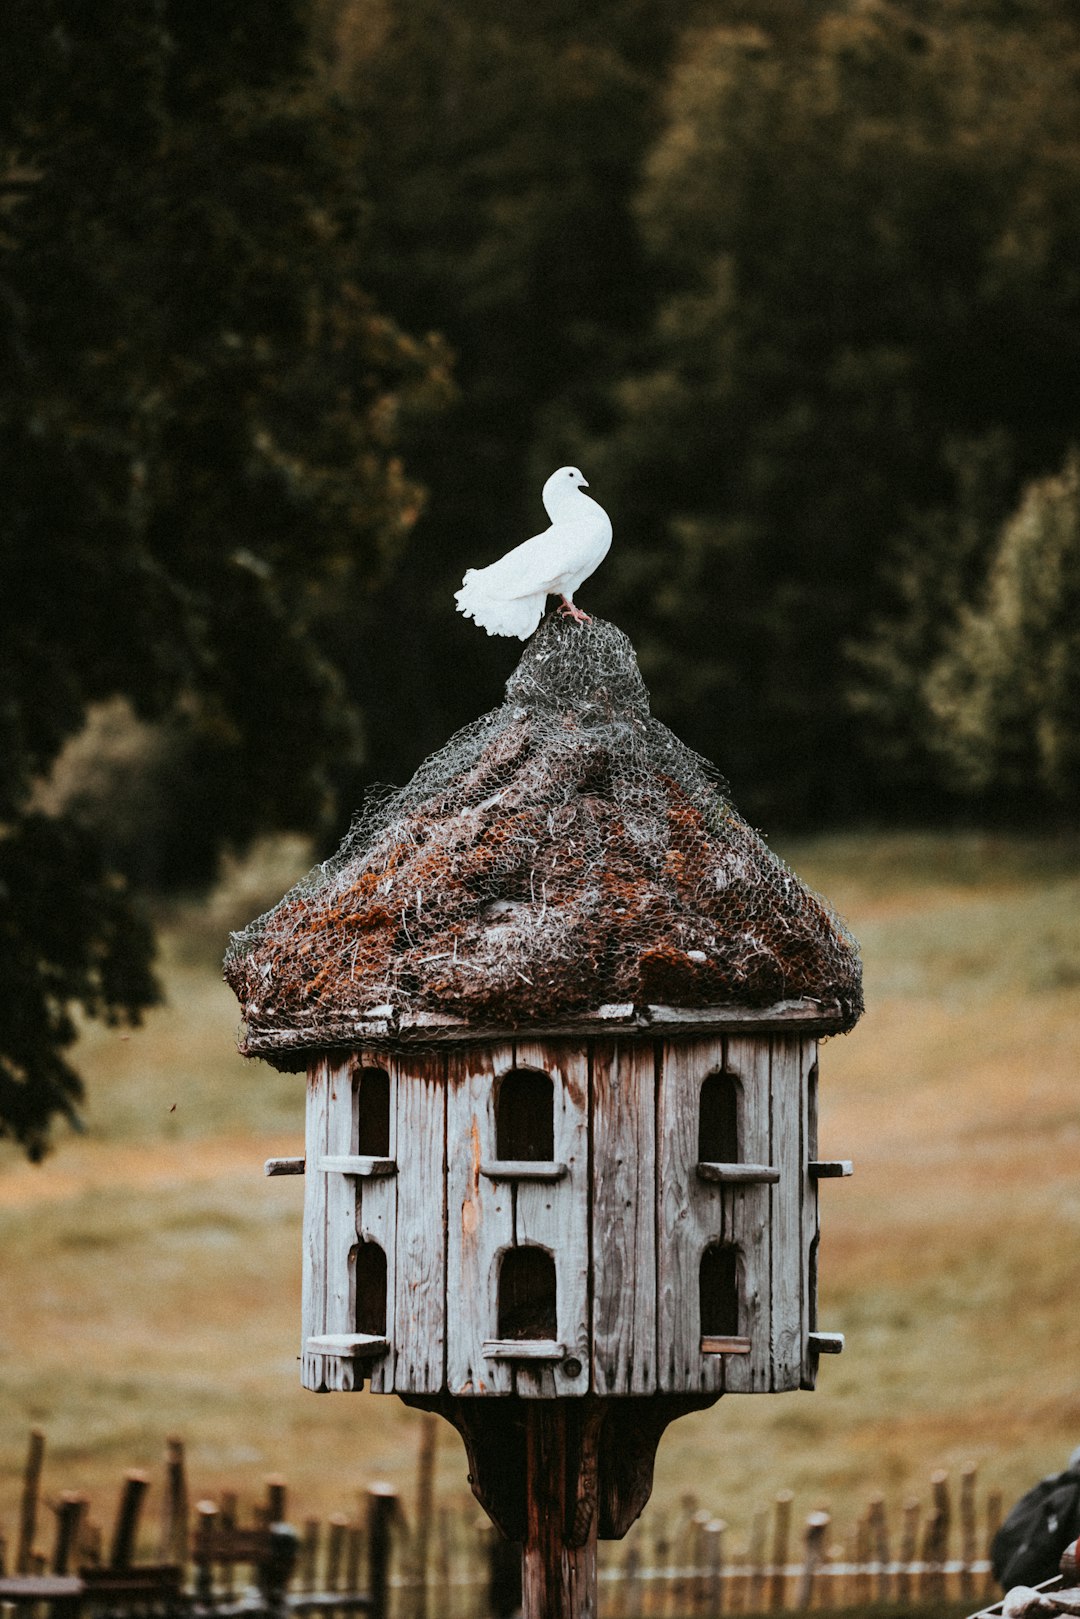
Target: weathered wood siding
418 1311
480 1221
810 1217
555 1215
624 1217
621 1208
313 1298
771 1225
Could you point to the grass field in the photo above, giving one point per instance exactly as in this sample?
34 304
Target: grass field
151 1273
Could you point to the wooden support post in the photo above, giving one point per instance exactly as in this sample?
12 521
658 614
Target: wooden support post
382 1508
559 1557
35 1456
136 1485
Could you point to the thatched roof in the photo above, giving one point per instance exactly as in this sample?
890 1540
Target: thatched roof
565 858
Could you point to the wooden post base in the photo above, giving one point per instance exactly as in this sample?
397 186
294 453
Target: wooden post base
557 1475
558 1559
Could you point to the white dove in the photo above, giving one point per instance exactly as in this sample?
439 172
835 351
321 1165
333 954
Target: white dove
508 597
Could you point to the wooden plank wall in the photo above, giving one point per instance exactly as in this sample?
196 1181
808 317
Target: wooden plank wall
624 1217
315 1368
480 1221
444 1224
417 1321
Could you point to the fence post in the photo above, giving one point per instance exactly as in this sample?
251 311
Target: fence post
127 1519
879 1545
631 1581
174 1514
278 1571
758 1530
778 1579
994 1515
309 1556
205 1533
35 1456
714 1562
817 1527
425 1495
909 1542
968 1551
68 1523
382 1507
861 1558
274 1509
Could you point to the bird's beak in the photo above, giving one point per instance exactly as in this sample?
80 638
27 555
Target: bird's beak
584 484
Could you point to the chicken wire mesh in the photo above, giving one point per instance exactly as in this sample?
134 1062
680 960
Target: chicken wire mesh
563 852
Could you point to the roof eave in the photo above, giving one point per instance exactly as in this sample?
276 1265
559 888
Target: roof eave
289 1048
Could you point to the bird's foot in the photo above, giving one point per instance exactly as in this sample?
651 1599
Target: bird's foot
568 610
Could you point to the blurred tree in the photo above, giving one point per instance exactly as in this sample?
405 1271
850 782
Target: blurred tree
199 410
1005 694
867 239
504 147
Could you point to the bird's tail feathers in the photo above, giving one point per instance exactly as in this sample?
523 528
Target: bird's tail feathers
519 616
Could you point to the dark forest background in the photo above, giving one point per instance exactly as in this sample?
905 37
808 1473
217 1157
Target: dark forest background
301 302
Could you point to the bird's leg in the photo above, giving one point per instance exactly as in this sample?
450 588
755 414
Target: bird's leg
570 611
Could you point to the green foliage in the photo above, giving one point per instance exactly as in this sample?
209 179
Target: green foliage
868 236
198 421
1006 692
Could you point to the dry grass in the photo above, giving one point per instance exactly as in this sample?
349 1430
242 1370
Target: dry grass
152 1274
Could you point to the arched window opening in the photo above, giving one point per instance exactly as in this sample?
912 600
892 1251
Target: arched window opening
373 1113
719 1283
525 1116
527 1294
718 1120
370 1264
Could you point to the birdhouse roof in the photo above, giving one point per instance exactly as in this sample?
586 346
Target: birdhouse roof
562 862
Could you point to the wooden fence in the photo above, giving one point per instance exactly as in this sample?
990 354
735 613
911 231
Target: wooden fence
438 1561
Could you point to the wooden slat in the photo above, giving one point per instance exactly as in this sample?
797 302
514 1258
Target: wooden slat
347 1344
810 1216
827 1343
556 1216
747 1212
739 1174
789 1061
547 1349
375 1203
523 1169
341 1221
725 1346
313 1300
284 1166
690 1216
480 1222
828 1169
354 1164
419 1298
624 1218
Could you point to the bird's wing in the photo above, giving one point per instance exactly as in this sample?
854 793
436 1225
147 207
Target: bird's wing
541 563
